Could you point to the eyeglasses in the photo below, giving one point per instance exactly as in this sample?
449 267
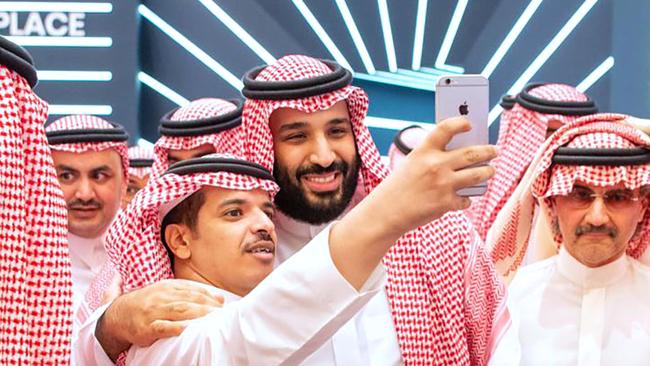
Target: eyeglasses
615 199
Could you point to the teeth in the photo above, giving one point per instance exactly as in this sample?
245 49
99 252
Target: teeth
261 250
325 179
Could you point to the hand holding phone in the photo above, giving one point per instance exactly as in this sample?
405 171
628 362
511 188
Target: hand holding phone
465 95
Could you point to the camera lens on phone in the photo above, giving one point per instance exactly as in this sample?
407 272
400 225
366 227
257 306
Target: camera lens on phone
447 81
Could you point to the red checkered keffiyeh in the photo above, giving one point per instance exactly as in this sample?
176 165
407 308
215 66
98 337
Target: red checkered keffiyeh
508 238
140 153
35 280
446 299
85 122
227 141
133 242
403 143
521 132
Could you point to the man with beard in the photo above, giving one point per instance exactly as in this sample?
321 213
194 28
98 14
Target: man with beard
35 286
443 302
91 161
587 305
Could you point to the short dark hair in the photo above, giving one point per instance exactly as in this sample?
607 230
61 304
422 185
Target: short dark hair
186 213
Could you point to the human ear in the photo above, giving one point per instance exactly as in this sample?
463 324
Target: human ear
177 238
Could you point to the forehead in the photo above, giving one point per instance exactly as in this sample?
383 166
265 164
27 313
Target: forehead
191 153
217 196
283 116
88 160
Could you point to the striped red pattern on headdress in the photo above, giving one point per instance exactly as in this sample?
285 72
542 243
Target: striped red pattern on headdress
508 238
228 141
86 122
521 132
140 153
446 299
35 280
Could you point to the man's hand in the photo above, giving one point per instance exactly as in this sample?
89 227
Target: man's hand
420 190
150 313
424 187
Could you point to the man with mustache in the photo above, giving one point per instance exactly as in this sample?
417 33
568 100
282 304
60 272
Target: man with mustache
586 305
91 161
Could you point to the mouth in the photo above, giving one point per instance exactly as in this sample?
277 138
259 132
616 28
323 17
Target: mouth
84 211
263 250
326 182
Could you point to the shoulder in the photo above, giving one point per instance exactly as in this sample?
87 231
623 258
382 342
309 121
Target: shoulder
531 276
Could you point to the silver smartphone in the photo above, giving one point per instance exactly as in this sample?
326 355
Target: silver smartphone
466 95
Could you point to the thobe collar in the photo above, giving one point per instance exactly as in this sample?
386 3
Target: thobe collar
587 277
87 252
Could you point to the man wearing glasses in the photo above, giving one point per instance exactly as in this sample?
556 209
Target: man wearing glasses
589 304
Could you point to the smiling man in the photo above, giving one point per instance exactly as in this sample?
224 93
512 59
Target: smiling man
91 161
588 304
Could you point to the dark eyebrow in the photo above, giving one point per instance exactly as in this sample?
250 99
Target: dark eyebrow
293 126
338 121
65 167
234 201
102 168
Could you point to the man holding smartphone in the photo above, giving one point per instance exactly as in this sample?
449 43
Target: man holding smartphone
443 302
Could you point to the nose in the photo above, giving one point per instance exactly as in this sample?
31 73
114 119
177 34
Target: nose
597 213
322 153
84 190
262 223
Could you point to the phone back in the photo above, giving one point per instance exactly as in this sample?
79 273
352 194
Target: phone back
466 95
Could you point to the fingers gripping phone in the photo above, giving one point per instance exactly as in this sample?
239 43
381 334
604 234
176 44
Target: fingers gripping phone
466 95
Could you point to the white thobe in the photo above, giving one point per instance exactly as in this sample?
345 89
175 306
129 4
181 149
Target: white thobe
564 313
87 257
284 319
367 339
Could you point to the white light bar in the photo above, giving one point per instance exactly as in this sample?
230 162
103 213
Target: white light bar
322 35
162 89
58 6
177 37
418 40
356 36
65 109
38 41
240 32
510 38
449 39
394 124
59 75
546 53
388 35
145 143
595 75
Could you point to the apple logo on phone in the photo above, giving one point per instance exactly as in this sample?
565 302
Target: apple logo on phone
463 109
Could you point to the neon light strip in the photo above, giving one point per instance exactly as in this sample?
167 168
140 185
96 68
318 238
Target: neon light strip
37 41
42 6
422 76
511 37
97 110
162 89
191 47
145 143
57 75
449 39
394 79
546 53
393 124
595 75
420 21
388 35
356 36
320 32
240 32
